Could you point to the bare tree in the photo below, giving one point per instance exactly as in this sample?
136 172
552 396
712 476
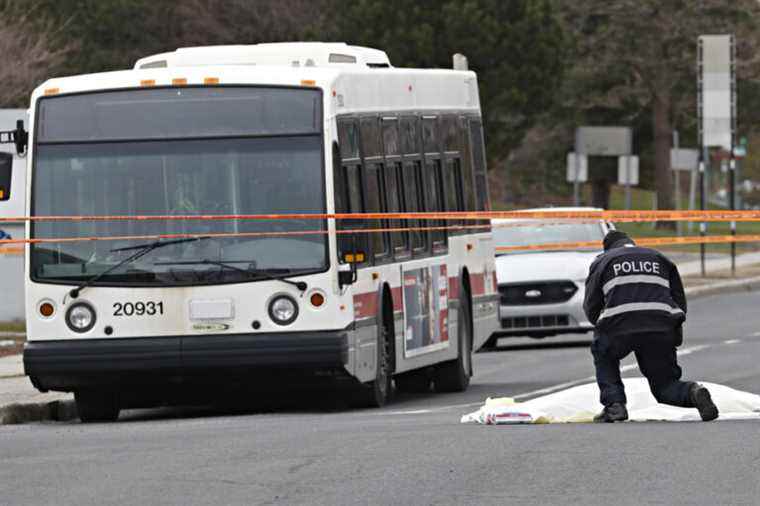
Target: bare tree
641 54
28 53
208 22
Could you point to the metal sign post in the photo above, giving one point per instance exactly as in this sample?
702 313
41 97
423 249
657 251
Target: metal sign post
732 201
702 225
683 160
577 172
628 175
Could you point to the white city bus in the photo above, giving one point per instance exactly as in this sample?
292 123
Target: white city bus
301 128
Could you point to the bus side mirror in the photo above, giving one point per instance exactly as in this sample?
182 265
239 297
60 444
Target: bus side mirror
6 170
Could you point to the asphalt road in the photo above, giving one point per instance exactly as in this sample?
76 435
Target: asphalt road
312 450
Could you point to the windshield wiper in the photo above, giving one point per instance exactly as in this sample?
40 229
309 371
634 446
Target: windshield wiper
143 249
250 272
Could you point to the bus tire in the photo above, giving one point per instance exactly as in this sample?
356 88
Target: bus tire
377 393
96 406
454 376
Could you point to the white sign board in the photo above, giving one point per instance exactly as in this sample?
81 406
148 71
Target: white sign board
628 170
577 163
684 159
603 141
717 109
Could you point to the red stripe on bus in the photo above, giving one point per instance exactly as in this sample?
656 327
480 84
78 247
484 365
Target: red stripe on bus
365 305
478 284
398 301
454 287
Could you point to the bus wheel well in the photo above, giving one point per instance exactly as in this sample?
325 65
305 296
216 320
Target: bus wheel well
389 320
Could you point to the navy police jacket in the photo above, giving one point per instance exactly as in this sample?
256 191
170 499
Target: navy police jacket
634 290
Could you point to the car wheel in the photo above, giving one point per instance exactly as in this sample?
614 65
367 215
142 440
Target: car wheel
96 406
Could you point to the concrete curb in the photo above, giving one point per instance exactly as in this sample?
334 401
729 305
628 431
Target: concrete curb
19 413
733 285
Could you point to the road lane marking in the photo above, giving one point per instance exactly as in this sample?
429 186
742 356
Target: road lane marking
732 341
692 349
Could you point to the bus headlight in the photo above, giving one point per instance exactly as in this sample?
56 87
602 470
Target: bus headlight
283 310
80 317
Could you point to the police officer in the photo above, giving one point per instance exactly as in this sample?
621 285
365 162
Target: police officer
635 298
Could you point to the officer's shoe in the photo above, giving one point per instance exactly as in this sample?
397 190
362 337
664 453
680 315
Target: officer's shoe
700 398
615 412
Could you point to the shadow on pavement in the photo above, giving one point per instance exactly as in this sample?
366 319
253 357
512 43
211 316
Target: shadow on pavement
539 345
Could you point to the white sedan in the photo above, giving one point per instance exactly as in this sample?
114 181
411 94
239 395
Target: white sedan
542 291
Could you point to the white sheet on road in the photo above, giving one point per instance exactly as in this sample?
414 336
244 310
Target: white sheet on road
581 403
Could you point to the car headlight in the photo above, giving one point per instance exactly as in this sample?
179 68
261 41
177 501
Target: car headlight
283 310
80 317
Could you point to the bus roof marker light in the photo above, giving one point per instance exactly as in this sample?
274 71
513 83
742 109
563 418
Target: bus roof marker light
52 91
147 82
179 81
210 80
308 82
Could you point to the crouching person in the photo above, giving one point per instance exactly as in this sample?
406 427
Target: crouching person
635 298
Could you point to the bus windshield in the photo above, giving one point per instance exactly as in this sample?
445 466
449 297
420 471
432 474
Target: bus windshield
264 165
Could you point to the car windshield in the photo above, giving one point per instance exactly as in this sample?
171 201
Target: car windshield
528 233
97 170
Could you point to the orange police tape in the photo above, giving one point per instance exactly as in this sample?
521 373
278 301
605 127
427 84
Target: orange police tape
642 241
618 216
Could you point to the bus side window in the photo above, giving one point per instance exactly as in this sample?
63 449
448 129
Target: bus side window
414 203
378 240
468 178
339 182
393 185
452 175
453 188
433 179
348 184
372 156
414 194
479 167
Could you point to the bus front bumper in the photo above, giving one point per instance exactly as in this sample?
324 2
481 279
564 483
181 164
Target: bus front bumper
71 364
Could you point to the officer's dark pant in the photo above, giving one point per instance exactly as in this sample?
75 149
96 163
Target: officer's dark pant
656 356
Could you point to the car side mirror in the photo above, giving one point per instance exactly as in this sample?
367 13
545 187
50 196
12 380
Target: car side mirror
6 172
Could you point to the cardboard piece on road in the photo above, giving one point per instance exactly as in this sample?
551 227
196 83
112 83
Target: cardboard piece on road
580 404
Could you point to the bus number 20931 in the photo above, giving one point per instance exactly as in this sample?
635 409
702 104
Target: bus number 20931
138 308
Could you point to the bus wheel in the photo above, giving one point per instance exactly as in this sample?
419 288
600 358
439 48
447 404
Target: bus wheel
376 393
96 406
454 376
